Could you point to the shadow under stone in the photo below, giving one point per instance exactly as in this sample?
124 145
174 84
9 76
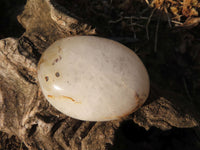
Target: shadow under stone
131 136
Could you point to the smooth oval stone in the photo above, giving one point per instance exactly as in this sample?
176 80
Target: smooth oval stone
92 78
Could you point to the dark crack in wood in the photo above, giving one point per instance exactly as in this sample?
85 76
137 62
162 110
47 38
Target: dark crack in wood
32 130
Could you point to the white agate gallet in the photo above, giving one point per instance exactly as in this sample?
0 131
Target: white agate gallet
92 78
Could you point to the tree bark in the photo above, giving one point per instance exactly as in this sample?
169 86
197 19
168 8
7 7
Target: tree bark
24 112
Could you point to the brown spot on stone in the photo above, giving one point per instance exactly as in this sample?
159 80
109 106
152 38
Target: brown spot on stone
47 78
69 98
57 60
51 96
139 102
57 74
40 62
136 96
63 97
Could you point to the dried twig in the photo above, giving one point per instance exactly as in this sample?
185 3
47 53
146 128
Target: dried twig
147 2
116 21
132 28
168 18
125 39
147 25
156 35
177 22
186 90
134 17
135 24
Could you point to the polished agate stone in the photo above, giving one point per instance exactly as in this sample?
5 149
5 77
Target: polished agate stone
92 78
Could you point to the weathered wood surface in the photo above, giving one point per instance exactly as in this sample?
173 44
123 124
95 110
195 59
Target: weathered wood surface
24 112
